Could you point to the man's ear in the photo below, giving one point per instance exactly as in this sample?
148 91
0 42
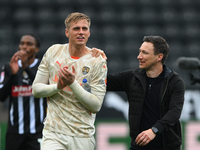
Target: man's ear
67 33
160 57
36 49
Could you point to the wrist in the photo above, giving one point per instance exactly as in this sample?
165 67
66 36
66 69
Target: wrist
155 130
73 84
57 87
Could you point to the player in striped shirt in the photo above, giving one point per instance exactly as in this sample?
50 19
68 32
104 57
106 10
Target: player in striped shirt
26 113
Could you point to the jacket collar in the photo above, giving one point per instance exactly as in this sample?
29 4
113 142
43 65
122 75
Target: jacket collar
140 73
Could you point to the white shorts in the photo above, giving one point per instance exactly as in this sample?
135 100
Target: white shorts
57 141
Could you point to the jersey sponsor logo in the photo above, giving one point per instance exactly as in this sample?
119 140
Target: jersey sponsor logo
23 90
85 70
59 63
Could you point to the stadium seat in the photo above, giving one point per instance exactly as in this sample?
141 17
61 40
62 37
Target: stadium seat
6 52
107 15
5 14
91 12
22 29
167 3
188 3
105 3
131 47
127 3
130 31
170 16
148 16
45 15
96 38
42 3
128 16
193 49
23 15
21 3
149 3
112 48
115 65
151 30
176 49
48 31
190 16
45 45
61 15
110 32
172 31
191 31
6 33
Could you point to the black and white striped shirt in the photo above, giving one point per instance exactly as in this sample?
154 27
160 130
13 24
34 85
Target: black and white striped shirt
26 113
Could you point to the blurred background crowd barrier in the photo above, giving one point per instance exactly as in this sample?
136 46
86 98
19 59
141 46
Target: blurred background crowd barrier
118 27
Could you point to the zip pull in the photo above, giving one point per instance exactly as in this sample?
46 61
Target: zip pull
149 88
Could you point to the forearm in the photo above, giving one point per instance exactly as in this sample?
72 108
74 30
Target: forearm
90 101
41 87
44 90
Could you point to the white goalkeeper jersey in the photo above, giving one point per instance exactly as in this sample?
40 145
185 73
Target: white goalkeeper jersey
66 115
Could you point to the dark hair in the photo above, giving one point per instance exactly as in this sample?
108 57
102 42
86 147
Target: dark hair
160 45
37 39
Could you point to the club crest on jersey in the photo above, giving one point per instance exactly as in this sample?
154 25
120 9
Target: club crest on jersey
85 70
25 75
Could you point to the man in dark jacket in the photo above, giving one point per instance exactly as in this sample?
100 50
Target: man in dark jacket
26 113
155 95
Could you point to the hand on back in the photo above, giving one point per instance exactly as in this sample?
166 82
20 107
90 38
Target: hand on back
97 52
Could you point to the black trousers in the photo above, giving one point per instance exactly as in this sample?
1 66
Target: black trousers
135 148
23 141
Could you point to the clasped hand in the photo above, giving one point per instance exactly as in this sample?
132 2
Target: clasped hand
66 77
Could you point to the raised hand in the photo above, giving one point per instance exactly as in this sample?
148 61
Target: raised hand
23 56
14 63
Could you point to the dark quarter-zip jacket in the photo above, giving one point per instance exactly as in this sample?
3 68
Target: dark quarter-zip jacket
171 100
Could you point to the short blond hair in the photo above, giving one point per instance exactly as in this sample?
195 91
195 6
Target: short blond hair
75 17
